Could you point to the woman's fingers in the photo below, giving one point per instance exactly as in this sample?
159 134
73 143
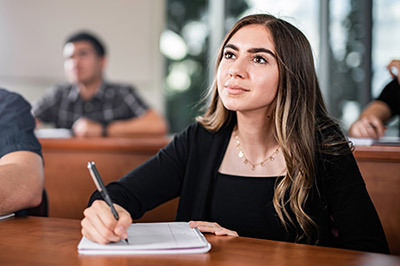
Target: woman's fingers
123 223
97 234
99 224
215 228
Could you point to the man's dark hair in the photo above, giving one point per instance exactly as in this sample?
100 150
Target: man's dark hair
89 37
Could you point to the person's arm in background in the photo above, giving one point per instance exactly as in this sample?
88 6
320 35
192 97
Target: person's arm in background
147 121
21 164
141 120
148 124
21 181
370 124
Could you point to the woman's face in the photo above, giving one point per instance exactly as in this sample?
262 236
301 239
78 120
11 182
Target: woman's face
248 73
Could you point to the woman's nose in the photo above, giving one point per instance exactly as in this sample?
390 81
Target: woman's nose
237 69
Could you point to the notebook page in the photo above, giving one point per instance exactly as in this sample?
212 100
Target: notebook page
173 237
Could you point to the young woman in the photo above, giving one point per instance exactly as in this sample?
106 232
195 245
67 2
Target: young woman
264 161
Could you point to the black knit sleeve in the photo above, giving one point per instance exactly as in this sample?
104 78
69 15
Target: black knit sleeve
349 204
155 181
391 96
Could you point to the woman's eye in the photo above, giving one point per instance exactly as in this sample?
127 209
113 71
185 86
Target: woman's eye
260 60
228 55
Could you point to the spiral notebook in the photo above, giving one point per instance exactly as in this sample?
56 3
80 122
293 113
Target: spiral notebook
152 238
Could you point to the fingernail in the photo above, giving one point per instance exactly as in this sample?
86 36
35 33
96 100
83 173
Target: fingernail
122 232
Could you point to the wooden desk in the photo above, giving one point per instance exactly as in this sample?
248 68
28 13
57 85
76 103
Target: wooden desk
69 185
380 167
53 241
67 180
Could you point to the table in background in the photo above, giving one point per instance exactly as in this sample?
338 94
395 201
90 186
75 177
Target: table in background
380 167
53 241
68 182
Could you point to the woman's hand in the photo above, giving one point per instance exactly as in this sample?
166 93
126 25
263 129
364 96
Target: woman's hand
99 224
207 227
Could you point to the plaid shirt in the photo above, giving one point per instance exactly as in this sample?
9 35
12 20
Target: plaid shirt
62 105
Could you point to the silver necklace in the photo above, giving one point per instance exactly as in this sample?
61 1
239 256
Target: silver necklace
246 161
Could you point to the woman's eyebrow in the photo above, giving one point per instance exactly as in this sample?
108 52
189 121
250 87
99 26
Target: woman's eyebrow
261 50
251 50
234 47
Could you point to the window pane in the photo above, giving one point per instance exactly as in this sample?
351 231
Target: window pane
301 13
386 41
184 45
385 47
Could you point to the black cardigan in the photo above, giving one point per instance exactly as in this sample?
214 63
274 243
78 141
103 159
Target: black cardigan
187 166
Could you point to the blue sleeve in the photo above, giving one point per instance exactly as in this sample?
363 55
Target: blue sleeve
16 125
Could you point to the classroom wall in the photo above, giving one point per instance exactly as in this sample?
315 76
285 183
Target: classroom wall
32 34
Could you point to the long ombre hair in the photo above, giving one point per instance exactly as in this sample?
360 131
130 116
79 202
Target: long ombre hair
300 116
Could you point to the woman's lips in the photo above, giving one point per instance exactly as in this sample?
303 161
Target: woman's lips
235 90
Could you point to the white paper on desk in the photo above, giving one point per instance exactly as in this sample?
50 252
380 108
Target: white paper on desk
362 141
380 141
152 238
53 133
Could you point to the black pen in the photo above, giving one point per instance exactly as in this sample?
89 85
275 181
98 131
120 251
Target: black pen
102 189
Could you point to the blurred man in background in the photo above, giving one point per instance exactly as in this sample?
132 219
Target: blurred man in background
89 105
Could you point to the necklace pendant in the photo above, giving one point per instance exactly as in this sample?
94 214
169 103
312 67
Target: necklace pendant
245 161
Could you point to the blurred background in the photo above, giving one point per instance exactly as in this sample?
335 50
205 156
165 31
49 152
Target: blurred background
167 48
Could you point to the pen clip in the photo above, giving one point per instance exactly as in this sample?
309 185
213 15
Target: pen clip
92 168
